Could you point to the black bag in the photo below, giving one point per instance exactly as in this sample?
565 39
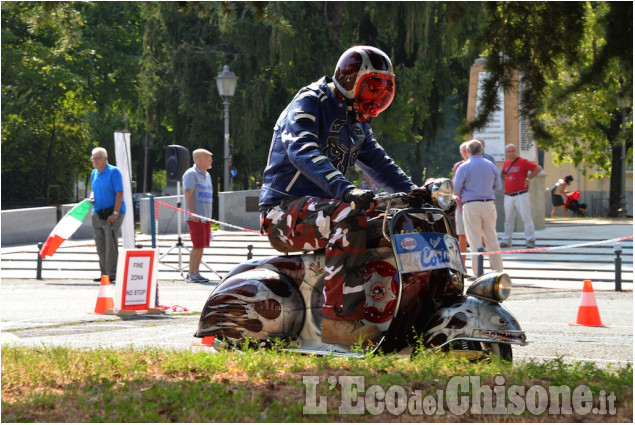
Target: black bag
105 213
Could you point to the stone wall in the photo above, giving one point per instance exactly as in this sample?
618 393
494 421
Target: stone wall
27 225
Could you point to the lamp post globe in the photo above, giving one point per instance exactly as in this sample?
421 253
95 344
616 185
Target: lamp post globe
226 82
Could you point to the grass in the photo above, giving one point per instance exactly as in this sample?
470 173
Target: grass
57 384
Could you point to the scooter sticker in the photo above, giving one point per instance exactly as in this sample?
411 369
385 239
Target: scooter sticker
381 291
427 251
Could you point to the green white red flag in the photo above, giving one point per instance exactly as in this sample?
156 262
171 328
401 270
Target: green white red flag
65 228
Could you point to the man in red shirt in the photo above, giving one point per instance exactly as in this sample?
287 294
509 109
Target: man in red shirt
516 173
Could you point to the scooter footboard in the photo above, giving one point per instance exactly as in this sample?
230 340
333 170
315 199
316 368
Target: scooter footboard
473 319
259 303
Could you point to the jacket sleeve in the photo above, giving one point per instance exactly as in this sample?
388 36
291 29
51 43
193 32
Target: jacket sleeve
374 161
301 140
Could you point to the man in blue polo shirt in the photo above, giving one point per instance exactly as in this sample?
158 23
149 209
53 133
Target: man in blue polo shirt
108 211
476 182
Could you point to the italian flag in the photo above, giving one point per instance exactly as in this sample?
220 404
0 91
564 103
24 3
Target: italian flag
65 228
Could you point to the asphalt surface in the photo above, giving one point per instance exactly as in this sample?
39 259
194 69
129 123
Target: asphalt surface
60 310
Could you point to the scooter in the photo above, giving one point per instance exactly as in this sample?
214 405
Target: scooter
414 287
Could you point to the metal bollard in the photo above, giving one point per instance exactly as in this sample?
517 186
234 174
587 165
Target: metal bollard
249 254
38 273
153 224
617 248
479 262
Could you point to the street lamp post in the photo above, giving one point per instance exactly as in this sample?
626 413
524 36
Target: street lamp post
226 83
146 142
623 102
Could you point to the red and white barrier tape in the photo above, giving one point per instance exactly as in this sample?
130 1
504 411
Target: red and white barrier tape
513 251
174 308
157 202
554 248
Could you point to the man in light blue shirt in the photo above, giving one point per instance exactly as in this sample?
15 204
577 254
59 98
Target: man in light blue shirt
476 182
198 191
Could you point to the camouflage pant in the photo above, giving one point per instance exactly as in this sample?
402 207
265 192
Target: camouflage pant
311 223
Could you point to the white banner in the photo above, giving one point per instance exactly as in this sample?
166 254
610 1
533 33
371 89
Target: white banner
124 163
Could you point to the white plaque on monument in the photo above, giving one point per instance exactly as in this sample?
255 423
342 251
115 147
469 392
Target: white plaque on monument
493 133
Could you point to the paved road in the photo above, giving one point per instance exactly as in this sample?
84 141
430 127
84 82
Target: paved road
36 313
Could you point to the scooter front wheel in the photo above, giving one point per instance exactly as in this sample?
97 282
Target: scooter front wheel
502 351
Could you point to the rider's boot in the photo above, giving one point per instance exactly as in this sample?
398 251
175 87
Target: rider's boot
348 332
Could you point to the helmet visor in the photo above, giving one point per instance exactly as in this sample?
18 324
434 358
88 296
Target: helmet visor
374 95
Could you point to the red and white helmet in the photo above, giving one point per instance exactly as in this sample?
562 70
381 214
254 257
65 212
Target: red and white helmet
364 74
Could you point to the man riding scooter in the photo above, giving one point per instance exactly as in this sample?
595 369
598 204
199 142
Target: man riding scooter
306 196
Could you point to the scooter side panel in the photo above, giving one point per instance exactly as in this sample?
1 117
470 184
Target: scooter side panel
291 266
259 303
473 318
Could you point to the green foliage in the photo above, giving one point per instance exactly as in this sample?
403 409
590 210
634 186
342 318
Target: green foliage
43 132
515 39
586 120
60 384
297 44
64 82
159 180
74 72
579 120
571 60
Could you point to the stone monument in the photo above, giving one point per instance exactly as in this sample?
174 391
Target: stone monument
506 126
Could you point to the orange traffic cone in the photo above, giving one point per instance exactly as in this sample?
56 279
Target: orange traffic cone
588 313
104 299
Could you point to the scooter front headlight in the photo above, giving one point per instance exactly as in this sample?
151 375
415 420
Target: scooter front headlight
442 193
493 286
503 286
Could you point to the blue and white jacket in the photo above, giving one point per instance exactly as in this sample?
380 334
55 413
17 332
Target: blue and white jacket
315 145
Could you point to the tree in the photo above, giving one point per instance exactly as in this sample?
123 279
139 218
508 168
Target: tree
44 134
588 125
185 46
68 82
431 49
570 77
276 48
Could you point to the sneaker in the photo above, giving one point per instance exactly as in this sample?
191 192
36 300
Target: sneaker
531 244
505 244
348 332
196 278
97 279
